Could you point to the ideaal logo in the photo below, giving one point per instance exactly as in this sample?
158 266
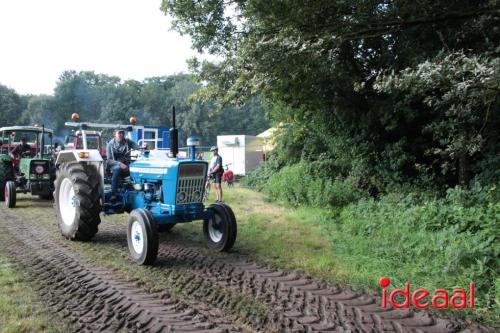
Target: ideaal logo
420 297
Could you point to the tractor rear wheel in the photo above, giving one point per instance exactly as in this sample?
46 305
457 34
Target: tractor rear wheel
77 200
6 174
220 230
142 236
10 194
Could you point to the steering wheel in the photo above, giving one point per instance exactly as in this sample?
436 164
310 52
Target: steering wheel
142 151
26 154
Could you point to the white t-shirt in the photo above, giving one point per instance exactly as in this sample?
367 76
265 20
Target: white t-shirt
213 163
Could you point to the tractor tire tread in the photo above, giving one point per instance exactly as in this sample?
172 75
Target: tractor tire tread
232 238
6 174
85 179
228 243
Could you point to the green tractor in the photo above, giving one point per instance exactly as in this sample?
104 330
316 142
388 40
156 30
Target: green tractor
26 163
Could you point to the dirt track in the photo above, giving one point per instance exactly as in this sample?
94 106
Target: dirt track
212 293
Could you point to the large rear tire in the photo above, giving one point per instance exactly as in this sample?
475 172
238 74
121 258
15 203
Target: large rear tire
10 194
142 236
77 200
220 230
6 174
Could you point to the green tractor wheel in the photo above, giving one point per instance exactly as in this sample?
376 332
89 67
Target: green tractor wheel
6 174
10 194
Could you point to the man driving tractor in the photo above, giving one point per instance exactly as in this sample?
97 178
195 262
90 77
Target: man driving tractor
19 151
118 152
21 148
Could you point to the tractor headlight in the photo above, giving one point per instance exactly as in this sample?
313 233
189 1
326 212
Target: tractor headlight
196 195
181 196
39 169
47 176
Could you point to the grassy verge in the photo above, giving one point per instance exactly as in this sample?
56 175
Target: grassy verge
364 241
19 309
280 236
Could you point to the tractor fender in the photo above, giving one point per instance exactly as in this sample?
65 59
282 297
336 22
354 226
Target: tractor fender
5 158
66 156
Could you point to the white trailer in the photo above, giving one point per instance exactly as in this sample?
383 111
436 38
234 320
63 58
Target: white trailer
242 152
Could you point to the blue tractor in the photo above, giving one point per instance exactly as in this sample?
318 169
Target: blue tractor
159 193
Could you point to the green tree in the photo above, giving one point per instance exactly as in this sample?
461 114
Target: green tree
318 61
41 109
11 106
102 98
462 95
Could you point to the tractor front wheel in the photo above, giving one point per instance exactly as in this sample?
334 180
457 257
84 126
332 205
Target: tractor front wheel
142 236
10 194
77 200
220 230
6 174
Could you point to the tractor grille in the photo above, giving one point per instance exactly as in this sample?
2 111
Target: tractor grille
191 183
39 167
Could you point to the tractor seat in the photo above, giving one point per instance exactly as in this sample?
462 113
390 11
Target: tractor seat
126 179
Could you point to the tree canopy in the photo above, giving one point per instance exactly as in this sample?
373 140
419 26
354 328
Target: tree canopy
108 99
318 62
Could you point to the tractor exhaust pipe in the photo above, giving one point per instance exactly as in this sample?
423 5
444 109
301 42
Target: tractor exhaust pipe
42 141
174 137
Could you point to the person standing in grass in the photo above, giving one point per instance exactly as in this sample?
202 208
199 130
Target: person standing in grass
216 171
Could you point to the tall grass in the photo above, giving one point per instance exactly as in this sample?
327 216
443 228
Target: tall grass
432 241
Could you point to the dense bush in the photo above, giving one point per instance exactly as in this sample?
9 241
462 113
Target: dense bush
306 183
455 238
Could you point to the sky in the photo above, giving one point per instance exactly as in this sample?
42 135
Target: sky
131 39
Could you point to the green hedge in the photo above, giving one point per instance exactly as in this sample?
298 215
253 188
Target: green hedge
452 240
308 184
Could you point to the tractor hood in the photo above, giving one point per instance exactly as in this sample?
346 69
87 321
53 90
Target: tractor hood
182 181
156 169
165 168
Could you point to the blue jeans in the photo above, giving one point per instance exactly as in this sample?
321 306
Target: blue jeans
116 178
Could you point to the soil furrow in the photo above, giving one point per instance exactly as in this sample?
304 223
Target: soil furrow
210 284
297 302
90 297
301 303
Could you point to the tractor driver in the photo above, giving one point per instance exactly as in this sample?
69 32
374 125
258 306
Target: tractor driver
22 148
118 153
